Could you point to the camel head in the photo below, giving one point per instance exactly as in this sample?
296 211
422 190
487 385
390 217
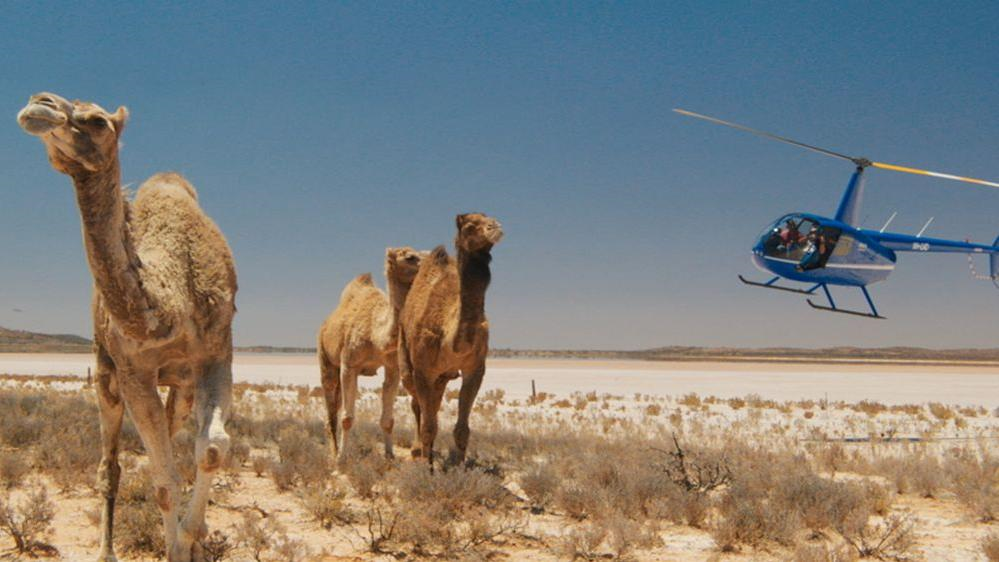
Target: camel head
477 232
402 264
79 136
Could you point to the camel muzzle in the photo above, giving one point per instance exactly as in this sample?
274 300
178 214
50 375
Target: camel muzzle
40 118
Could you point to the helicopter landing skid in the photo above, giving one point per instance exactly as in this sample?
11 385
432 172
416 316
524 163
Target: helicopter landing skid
771 285
832 305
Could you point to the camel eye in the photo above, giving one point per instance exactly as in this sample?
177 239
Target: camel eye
96 121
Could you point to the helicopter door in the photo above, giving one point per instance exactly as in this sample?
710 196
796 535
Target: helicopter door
819 245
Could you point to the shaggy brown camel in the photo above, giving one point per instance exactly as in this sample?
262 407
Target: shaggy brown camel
444 331
163 303
360 336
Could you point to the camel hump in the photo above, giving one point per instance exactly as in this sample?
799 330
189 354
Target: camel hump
439 255
173 179
364 279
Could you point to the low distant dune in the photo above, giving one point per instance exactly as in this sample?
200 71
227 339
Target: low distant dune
20 341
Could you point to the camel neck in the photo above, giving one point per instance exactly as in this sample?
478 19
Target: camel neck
398 290
473 278
111 253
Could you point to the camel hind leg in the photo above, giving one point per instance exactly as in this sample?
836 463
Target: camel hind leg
406 376
390 388
430 395
109 471
180 400
213 402
348 388
330 378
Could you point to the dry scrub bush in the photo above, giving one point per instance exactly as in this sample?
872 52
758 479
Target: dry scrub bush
582 542
365 470
301 459
29 522
327 505
267 540
259 464
440 514
138 523
869 407
890 539
973 481
621 535
821 504
990 546
691 400
941 411
13 469
216 547
540 483
748 517
774 496
26 424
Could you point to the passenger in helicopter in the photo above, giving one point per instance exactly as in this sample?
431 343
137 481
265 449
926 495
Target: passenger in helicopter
790 236
815 250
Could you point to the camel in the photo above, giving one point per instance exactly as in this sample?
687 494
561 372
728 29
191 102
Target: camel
360 336
163 303
443 330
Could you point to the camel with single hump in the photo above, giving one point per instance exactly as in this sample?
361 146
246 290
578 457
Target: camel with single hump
444 332
360 336
163 304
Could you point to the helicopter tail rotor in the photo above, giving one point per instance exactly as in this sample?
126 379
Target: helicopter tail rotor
859 162
993 266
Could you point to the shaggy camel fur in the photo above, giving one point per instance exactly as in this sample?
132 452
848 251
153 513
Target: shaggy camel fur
444 331
163 303
360 336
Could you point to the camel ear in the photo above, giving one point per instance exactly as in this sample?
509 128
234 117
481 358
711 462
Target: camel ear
460 220
119 118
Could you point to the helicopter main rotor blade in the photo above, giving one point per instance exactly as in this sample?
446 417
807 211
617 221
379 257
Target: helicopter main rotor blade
905 169
770 136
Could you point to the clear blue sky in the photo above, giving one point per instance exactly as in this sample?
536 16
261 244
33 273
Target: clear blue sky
318 134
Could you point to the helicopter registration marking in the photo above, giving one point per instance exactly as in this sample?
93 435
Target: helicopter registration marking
921 246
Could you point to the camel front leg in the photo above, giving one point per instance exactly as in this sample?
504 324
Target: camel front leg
406 376
108 471
213 402
466 399
390 389
147 412
330 379
348 385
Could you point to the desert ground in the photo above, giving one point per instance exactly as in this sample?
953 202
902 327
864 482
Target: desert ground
609 460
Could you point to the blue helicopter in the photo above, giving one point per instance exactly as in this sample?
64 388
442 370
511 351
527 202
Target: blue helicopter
824 251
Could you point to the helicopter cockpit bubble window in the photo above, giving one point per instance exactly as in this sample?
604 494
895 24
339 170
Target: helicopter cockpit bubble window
787 239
